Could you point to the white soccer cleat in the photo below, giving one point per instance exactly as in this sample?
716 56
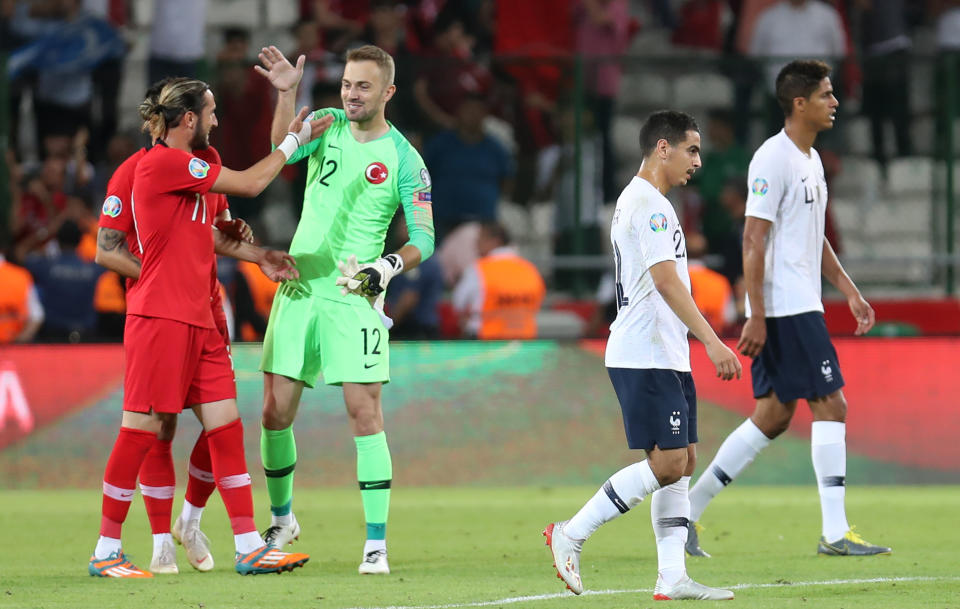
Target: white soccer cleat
194 542
277 536
165 560
566 555
374 563
687 589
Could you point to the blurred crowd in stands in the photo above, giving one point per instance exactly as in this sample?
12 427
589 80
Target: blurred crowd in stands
486 90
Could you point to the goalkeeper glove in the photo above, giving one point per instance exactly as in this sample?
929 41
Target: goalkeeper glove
368 280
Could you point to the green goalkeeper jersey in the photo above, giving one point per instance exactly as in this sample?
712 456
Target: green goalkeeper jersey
353 190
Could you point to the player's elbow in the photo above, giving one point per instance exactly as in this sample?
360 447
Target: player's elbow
104 259
662 282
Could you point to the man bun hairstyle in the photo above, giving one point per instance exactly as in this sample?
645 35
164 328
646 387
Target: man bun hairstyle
670 125
799 78
163 110
377 55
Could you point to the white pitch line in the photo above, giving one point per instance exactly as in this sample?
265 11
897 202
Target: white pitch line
786 584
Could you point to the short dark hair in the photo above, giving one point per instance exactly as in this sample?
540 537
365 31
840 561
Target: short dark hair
669 125
495 230
69 235
722 115
234 34
799 78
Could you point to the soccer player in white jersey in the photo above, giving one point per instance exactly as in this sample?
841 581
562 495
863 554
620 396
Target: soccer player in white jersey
648 360
784 256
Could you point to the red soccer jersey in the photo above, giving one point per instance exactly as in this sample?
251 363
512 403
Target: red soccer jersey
116 206
173 219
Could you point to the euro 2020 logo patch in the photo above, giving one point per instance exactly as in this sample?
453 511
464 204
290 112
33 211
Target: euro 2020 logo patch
112 206
760 187
658 223
198 168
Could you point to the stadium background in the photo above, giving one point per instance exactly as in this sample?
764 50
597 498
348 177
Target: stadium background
541 414
892 216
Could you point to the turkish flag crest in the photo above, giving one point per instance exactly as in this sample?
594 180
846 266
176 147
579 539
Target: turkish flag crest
376 173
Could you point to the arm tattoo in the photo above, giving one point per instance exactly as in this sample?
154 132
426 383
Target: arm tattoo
110 239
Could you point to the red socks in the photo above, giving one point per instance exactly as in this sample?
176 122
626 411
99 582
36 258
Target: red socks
158 480
200 483
230 472
120 478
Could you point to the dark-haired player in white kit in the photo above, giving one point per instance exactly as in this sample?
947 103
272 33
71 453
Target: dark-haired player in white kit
784 255
648 359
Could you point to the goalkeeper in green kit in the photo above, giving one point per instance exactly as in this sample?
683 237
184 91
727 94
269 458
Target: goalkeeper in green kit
331 322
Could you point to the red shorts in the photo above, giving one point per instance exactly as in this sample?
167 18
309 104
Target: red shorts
171 365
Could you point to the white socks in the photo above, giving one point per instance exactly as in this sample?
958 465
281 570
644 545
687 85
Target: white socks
281 521
247 542
190 512
158 539
829 451
735 454
372 545
670 514
105 547
622 491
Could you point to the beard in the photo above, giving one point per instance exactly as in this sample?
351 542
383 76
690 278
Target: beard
364 114
200 139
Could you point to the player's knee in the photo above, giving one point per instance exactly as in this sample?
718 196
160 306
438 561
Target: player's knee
691 462
831 408
168 429
776 427
365 421
668 466
772 423
669 474
276 417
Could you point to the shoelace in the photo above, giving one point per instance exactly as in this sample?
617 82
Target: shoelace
196 536
271 535
855 537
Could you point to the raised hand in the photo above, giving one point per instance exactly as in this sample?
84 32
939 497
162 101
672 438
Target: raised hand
278 70
309 131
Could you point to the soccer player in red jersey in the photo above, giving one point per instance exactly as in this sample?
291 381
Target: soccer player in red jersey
174 354
117 250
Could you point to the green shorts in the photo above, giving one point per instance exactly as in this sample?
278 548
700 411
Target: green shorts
309 336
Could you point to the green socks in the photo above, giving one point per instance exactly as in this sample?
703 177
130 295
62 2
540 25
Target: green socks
278 449
375 474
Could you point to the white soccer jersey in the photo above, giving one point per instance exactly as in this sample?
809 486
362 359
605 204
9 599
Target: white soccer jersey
646 333
788 188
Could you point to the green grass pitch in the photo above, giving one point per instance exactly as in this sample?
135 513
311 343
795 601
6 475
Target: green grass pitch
481 547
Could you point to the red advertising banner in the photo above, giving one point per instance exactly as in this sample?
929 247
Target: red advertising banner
40 384
903 393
